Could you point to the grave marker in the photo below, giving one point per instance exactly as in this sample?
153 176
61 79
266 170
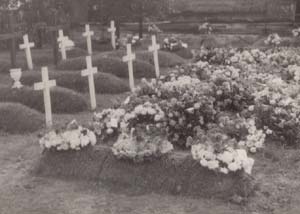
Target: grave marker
154 48
27 47
129 59
89 72
62 40
16 74
46 85
112 30
88 34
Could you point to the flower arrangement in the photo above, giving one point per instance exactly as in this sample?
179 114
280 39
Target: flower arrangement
173 44
273 39
205 27
74 137
226 161
296 32
140 146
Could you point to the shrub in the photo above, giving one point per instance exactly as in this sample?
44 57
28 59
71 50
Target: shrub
62 100
18 119
104 83
166 59
110 65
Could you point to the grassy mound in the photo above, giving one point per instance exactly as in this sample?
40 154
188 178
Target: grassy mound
104 83
45 57
174 174
5 66
76 52
98 45
110 65
19 119
63 100
185 53
166 59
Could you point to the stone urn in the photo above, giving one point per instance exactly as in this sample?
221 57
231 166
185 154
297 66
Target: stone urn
16 75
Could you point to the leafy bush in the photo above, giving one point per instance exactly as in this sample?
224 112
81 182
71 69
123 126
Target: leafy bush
104 83
166 59
110 65
19 119
62 100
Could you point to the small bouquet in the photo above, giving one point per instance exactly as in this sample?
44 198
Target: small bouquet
273 39
296 32
173 44
73 137
206 28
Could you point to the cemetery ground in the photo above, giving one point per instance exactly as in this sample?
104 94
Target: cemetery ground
276 171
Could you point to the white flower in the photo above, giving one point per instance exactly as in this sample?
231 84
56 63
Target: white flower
214 164
248 165
224 170
92 138
204 163
234 166
226 157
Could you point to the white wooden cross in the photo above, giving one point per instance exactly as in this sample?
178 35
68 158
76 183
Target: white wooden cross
112 30
88 34
89 72
26 46
46 85
62 40
129 59
154 48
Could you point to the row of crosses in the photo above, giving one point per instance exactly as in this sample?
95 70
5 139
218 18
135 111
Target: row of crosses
89 72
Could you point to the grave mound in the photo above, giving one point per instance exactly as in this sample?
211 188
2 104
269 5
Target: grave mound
19 119
166 59
104 83
177 173
98 45
5 66
110 65
185 53
45 57
63 100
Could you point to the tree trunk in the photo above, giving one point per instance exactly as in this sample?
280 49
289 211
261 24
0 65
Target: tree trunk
118 28
141 30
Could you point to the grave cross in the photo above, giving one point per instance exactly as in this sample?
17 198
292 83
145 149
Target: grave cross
46 85
27 47
112 30
62 40
89 72
88 34
129 59
154 48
